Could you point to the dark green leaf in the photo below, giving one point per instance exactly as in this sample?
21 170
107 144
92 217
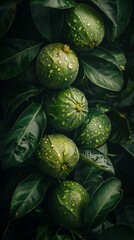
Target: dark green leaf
124 9
61 4
118 55
7 14
89 177
120 131
25 135
102 53
119 232
50 29
126 97
17 95
105 199
118 12
129 146
16 55
96 158
103 149
28 195
101 68
109 7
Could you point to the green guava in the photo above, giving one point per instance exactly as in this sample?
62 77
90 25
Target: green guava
84 27
67 204
57 66
57 155
95 129
67 109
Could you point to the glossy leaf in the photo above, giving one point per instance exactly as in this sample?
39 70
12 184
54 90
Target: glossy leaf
117 11
101 69
16 55
109 7
12 100
7 15
25 135
96 158
61 4
105 199
28 195
124 9
50 29
118 55
119 232
88 176
120 132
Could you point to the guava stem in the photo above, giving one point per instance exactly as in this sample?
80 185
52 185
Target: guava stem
66 48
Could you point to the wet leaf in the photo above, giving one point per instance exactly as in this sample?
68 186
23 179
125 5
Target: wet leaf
96 158
24 136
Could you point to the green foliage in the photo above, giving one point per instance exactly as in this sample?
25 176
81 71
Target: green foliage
30 110
16 55
104 200
24 136
27 195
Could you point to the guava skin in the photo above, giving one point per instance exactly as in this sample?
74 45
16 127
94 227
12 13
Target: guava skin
95 130
67 109
84 28
57 155
57 66
67 204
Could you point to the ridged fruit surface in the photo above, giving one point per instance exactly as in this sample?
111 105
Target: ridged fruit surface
57 155
95 130
67 204
67 109
57 66
84 27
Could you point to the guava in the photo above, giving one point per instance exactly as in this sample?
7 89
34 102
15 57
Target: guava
67 204
66 109
57 155
95 130
57 66
84 27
